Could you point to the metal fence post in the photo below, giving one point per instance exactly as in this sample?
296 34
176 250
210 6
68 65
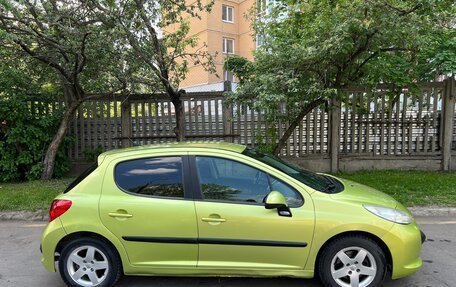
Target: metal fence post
446 129
126 123
334 133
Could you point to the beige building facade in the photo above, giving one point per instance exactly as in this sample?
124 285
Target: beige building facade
224 31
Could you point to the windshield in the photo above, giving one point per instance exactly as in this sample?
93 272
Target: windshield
315 181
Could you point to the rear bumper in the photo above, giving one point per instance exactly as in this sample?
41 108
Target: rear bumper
51 236
404 243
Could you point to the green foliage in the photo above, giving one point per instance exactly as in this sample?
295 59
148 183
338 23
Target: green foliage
314 49
24 139
438 55
156 40
240 66
266 142
66 40
91 154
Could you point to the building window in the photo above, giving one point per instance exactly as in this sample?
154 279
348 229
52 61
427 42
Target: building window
228 46
264 6
259 40
261 5
227 13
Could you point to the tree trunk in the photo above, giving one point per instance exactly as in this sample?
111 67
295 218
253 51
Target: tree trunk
307 109
179 130
49 159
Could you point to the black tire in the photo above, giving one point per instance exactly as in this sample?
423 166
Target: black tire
358 241
115 265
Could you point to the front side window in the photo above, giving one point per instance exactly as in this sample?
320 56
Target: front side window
158 176
227 180
227 13
228 46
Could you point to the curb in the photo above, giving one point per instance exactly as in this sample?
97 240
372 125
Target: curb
42 215
433 211
39 215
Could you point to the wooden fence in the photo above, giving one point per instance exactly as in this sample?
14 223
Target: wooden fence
364 122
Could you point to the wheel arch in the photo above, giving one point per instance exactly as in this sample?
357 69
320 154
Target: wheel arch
86 234
375 238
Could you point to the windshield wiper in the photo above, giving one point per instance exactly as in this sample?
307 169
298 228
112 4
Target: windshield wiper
329 188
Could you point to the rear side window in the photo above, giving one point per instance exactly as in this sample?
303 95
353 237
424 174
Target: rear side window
158 176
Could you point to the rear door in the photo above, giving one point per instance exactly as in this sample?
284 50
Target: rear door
145 202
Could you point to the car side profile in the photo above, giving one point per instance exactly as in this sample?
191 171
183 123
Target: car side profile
219 209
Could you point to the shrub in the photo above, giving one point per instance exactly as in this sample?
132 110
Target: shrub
24 138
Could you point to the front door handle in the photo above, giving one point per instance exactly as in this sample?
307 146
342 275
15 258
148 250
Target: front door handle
212 219
120 215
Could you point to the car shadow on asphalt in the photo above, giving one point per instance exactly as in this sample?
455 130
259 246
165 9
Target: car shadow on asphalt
137 281
133 281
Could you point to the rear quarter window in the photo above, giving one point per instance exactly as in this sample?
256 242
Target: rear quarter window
81 177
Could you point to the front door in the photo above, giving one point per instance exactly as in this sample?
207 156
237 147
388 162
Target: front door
235 229
144 203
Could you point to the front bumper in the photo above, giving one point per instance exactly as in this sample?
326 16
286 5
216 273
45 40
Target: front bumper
423 237
404 243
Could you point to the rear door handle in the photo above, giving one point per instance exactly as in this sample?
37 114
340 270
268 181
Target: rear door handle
120 215
211 219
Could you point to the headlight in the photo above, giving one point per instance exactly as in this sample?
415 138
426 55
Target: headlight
390 214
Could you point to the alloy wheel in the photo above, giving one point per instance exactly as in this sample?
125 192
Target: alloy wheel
353 267
87 266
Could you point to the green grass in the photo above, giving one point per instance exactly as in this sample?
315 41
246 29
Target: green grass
32 195
411 188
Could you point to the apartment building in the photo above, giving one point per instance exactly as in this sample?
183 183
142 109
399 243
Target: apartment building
226 32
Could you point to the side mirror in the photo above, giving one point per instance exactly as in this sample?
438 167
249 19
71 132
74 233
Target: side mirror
276 200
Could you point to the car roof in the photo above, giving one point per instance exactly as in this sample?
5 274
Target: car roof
182 145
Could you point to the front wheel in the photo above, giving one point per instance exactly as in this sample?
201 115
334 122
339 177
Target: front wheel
89 262
353 261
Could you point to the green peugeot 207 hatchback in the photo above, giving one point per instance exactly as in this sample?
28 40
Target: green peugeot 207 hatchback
218 209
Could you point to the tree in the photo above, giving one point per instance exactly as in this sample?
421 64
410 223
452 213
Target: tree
314 49
24 134
65 37
161 49
438 55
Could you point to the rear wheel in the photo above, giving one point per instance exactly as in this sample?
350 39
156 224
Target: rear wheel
89 262
352 261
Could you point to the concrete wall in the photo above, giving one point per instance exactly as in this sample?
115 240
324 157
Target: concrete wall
356 163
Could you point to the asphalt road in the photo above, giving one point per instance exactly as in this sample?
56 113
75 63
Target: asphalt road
20 262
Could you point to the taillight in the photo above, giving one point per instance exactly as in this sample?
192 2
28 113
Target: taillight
58 207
